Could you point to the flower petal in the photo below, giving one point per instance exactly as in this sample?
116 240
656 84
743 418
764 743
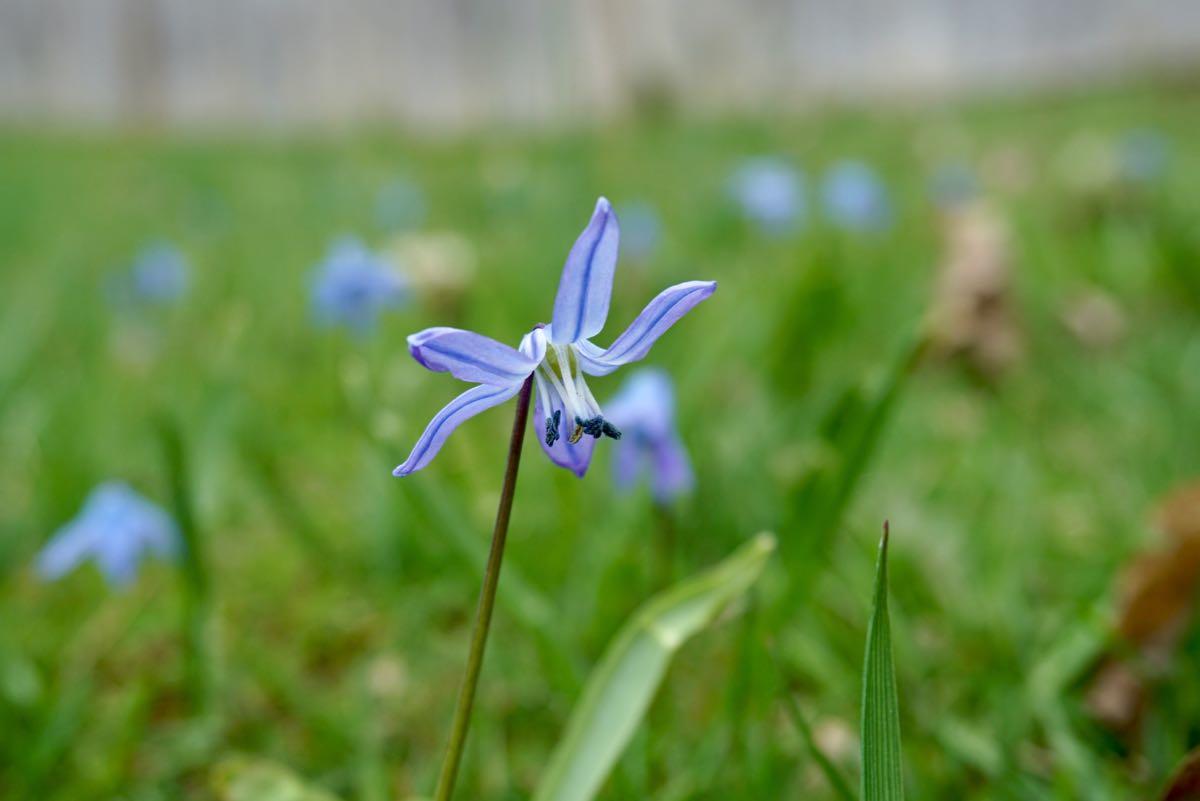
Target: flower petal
670 471
464 407
72 544
585 288
470 357
533 344
575 458
655 319
628 462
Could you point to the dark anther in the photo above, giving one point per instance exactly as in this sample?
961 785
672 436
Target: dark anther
552 435
593 426
609 430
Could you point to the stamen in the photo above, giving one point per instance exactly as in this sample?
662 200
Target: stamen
552 435
610 430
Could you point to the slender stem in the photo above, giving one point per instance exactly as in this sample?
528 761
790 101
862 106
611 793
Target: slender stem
198 622
487 601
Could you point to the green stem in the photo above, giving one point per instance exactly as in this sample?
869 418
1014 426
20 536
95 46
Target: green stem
487 601
198 620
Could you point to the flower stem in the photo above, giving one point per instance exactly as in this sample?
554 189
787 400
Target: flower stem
198 613
487 601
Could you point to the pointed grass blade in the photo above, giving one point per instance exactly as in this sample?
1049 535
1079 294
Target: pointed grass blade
883 776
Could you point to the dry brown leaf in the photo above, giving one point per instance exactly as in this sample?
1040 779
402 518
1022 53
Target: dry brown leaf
972 314
1156 604
1185 784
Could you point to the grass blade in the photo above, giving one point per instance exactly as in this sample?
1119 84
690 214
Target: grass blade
883 775
827 768
621 687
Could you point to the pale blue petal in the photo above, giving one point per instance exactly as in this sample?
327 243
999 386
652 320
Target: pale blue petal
575 458
645 403
533 344
670 470
661 313
581 306
628 461
462 408
117 528
470 357
70 545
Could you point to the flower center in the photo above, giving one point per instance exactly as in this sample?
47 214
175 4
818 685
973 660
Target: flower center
562 387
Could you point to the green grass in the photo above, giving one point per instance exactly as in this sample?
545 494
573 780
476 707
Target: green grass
344 596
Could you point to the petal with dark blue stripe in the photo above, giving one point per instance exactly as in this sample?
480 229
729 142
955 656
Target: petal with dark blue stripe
581 306
470 357
462 408
661 313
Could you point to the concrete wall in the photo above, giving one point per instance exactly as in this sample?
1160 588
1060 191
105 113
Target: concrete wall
456 63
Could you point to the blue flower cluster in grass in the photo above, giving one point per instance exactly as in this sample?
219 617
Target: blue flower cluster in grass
353 285
770 192
118 528
558 356
158 275
644 410
855 198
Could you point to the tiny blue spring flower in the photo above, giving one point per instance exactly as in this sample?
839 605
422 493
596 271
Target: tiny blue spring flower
118 528
1142 155
401 205
558 355
641 230
770 193
352 286
854 197
644 410
159 274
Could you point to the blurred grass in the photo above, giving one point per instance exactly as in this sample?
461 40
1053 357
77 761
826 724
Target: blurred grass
343 596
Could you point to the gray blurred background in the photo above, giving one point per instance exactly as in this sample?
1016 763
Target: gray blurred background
462 63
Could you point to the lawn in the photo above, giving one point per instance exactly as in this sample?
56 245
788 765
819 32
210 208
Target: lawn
338 600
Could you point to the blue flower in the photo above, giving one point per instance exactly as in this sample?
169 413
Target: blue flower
353 285
641 229
116 527
644 409
400 205
855 198
558 355
770 192
1143 155
953 185
159 274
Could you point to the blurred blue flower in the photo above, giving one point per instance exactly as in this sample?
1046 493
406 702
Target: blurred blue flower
116 527
770 193
644 410
353 285
953 184
855 198
641 230
558 356
159 274
1142 155
400 205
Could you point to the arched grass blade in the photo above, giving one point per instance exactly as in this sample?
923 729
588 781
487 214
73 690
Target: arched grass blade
883 774
245 778
621 687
